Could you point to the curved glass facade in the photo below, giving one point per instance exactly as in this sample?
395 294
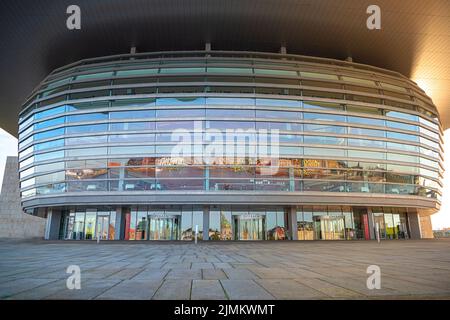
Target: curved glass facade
107 130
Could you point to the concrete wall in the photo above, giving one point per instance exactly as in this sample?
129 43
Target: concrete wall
426 229
13 222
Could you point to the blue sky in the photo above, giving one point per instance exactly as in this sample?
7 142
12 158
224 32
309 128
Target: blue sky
8 147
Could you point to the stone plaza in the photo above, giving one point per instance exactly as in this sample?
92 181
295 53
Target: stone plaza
234 270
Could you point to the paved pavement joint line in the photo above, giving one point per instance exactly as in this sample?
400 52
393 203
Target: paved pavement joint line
109 288
159 287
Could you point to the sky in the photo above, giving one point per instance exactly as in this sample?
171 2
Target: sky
8 147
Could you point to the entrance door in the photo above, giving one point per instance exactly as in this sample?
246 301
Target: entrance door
378 218
102 227
69 221
163 228
329 228
249 228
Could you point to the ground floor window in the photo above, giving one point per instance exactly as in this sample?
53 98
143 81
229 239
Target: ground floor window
139 223
391 223
88 224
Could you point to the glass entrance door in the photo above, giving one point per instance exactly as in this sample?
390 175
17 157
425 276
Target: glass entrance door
102 227
249 228
329 228
69 220
163 228
378 219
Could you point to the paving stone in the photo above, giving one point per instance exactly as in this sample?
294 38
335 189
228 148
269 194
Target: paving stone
329 289
239 274
245 290
42 292
184 274
132 289
151 274
174 265
289 290
179 289
10 288
213 274
222 265
272 273
202 265
207 290
89 290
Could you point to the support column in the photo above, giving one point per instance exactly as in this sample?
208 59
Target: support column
206 223
292 222
371 224
52 224
119 227
414 225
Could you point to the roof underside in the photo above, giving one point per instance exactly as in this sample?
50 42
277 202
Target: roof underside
414 39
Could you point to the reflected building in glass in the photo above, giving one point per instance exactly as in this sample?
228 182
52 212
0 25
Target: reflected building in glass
359 149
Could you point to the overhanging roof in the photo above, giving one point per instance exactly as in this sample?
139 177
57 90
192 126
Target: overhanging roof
414 39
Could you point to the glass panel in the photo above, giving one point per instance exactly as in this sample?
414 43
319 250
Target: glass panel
146 102
401 125
324 140
358 81
231 101
143 137
87 129
49 123
323 117
136 72
402 115
230 113
367 132
82 106
132 150
324 152
197 220
278 102
131 126
368 121
94 75
402 136
278 114
49 112
135 114
85 152
325 128
49 155
316 75
369 110
180 113
367 143
276 72
90 225
322 105
88 117
86 140
180 101
366 154
229 70
78 227
49 144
